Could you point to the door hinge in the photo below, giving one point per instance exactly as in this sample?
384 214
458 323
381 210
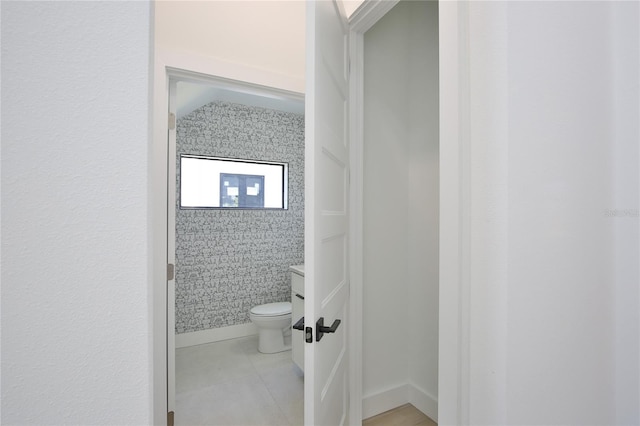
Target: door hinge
170 271
170 418
172 121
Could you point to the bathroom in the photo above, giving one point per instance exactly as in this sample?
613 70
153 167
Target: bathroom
229 260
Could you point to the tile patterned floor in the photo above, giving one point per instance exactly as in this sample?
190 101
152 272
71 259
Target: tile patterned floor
230 383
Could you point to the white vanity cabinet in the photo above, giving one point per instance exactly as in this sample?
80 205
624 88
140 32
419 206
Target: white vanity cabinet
297 312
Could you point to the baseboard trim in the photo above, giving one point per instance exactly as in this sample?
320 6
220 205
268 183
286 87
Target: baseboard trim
380 402
389 399
215 335
424 402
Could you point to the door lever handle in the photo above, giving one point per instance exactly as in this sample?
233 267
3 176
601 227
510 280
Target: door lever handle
321 329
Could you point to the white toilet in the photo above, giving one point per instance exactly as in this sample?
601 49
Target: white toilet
274 326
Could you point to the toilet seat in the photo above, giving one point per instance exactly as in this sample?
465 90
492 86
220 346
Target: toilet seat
272 309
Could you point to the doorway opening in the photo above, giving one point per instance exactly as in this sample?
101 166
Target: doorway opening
398 142
228 260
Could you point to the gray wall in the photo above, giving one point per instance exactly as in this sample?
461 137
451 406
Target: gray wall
228 261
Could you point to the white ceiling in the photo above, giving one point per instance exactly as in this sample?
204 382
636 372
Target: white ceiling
191 96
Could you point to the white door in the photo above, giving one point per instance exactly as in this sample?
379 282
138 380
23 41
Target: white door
326 215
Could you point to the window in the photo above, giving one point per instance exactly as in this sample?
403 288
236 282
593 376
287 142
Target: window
241 190
212 182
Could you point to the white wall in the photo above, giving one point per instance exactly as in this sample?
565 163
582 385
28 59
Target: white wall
565 269
625 52
262 34
75 134
423 206
552 322
385 203
401 210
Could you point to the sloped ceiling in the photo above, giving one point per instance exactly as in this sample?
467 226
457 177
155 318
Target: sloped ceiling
350 6
191 96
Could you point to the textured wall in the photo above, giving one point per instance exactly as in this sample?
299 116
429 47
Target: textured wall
75 139
229 261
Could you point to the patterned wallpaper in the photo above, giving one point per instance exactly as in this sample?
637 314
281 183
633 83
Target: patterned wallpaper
228 261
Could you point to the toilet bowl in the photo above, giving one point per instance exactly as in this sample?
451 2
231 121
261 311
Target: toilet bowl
274 324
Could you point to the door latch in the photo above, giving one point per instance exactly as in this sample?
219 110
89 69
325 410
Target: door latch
308 332
321 329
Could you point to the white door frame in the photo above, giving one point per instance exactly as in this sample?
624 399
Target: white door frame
453 329
360 22
453 386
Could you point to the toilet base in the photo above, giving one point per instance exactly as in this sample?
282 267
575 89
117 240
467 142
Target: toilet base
271 341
